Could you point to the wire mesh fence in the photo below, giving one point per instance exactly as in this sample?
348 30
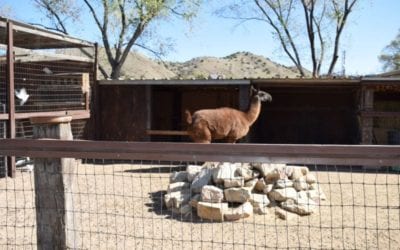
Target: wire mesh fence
124 204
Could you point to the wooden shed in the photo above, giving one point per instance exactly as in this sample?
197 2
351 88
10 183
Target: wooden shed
312 111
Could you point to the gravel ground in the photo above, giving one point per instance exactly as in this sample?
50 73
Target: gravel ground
118 206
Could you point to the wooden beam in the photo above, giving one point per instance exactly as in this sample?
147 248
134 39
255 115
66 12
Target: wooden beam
164 82
351 155
379 114
10 94
166 132
76 114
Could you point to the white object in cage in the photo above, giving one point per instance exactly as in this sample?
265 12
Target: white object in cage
25 165
47 71
22 95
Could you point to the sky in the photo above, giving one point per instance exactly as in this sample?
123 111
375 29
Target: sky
372 25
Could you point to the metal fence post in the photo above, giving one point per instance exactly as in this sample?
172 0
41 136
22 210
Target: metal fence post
54 188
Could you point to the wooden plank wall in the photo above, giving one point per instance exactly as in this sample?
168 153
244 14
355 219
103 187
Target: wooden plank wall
124 113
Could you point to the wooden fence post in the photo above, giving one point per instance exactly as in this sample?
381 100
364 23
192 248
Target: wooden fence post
53 189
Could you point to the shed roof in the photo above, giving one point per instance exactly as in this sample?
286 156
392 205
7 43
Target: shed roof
32 37
269 82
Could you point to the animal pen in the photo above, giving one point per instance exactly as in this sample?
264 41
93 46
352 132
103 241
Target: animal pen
127 195
41 76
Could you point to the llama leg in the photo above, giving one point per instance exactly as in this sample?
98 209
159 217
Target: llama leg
230 140
200 133
204 136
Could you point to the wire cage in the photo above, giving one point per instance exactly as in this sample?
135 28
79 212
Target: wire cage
43 74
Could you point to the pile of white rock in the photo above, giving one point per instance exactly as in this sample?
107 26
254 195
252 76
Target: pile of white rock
231 191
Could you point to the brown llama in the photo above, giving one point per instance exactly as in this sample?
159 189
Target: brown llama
225 123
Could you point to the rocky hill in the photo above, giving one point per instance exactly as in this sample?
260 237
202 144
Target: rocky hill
235 66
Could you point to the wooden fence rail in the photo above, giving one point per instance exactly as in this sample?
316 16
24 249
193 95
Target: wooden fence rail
361 155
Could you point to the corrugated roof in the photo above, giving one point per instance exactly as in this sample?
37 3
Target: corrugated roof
31 37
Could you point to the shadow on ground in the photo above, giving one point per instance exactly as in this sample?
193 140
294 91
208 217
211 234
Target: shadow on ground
157 207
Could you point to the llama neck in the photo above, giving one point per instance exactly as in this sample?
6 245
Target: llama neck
254 110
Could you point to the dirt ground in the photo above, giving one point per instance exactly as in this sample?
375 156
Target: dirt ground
119 206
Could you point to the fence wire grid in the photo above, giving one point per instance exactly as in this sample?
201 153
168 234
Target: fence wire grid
122 205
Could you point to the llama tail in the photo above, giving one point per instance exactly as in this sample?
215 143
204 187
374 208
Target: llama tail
188 117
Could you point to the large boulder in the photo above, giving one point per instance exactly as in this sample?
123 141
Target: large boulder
212 194
192 172
235 182
260 203
282 194
225 171
178 186
177 199
180 176
202 179
300 206
211 211
239 195
243 211
300 184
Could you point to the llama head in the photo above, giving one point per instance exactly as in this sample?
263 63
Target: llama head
260 95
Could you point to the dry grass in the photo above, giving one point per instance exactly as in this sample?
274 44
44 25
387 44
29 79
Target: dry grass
118 206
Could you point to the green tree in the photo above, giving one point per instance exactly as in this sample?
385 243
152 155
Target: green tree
307 30
390 56
123 24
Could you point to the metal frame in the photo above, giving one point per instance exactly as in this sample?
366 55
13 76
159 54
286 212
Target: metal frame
16 34
359 155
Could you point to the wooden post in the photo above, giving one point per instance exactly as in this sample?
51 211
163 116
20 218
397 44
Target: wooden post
367 123
10 95
244 101
148 111
54 189
96 109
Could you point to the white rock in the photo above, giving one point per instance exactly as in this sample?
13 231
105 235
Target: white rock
192 172
297 172
212 194
305 207
285 215
180 176
260 185
300 184
273 176
202 179
177 199
246 173
225 171
283 183
318 189
239 195
211 164
243 211
268 188
211 211
184 209
260 203
266 168
260 210
195 200
250 184
178 186
282 194
235 182
310 178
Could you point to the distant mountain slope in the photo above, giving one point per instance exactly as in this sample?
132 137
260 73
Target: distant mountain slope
235 66
238 65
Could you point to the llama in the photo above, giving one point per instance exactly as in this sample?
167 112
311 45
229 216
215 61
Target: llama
225 123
